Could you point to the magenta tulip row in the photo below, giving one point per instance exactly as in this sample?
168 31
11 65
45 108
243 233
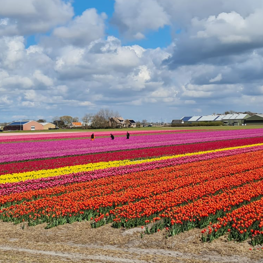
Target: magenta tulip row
65 135
11 188
48 149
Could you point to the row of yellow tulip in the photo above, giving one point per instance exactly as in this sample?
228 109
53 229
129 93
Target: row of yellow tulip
32 175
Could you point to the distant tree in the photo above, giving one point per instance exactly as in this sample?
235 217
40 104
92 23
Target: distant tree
59 123
127 123
41 120
55 120
138 124
66 119
249 113
87 119
75 119
102 118
230 112
144 123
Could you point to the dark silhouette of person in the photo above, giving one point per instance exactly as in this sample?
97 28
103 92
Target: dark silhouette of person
127 135
112 136
92 137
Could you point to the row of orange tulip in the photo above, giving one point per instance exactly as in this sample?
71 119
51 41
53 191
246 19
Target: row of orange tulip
242 223
106 186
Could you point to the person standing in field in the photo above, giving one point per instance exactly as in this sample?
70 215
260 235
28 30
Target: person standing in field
112 136
92 137
127 135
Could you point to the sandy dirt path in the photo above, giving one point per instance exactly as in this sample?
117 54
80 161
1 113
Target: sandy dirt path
79 242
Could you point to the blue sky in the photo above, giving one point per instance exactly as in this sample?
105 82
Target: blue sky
153 39
160 38
106 6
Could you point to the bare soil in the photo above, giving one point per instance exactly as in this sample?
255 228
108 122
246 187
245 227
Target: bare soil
78 242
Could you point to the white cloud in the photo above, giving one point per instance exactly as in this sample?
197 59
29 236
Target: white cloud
86 103
135 17
214 64
12 51
216 79
5 100
16 81
41 78
83 29
32 16
162 93
230 27
190 102
28 104
4 21
139 36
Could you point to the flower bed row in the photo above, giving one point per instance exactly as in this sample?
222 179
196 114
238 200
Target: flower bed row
135 214
209 178
131 206
36 165
36 150
205 210
242 223
72 135
86 136
42 183
17 177
119 182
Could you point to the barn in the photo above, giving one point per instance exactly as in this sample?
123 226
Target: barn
24 126
227 119
48 125
233 119
256 119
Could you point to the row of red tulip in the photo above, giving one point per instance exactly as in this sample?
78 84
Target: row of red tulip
242 223
207 209
134 214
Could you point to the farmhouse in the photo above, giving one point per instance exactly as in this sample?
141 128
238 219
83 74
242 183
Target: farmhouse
48 125
24 126
2 125
117 122
76 125
131 123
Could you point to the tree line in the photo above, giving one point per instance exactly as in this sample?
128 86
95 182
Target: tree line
99 120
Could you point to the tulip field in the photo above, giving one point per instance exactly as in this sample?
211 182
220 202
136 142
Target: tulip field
171 180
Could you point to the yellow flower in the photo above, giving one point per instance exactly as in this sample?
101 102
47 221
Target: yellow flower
18 177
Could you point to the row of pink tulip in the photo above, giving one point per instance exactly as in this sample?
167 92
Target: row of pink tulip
64 135
48 149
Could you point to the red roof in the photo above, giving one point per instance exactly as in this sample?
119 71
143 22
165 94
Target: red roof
76 124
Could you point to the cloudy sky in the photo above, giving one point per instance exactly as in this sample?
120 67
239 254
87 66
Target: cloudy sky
153 59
